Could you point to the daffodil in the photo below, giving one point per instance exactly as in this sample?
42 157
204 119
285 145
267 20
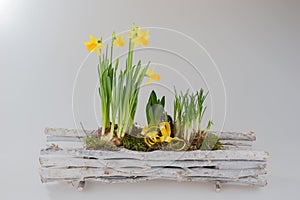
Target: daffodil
94 45
152 77
119 41
142 37
138 31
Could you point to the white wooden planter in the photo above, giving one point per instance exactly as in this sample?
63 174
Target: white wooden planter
66 160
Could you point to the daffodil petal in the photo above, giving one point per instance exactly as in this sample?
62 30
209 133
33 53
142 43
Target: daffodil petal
119 41
148 73
155 77
93 39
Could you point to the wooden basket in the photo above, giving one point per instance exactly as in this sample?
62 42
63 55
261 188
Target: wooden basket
66 160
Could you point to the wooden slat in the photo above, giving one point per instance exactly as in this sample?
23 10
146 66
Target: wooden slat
254 181
82 173
79 134
62 162
162 155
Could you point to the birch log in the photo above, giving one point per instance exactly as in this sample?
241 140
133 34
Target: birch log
79 133
161 155
63 162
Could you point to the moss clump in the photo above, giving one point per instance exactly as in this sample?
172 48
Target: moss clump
95 143
135 143
218 146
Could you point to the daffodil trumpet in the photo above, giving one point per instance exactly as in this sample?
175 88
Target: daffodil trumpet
152 76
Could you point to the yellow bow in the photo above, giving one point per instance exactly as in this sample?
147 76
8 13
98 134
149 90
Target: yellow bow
152 136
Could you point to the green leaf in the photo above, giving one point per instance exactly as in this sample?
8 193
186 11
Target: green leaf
155 113
154 109
153 97
162 102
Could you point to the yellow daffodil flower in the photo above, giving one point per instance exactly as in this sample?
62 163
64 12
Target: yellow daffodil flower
131 34
138 31
142 37
119 41
94 45
152 77
138 36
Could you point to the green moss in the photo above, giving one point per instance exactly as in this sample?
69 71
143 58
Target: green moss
218 146
95 143
135 143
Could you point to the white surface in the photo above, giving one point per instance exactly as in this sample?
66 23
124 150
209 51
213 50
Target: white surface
255 44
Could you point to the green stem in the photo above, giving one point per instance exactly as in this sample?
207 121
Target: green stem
111 51
130 54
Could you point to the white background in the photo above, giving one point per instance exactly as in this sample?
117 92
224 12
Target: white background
256 45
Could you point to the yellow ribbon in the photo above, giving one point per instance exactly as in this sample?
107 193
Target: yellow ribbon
152 137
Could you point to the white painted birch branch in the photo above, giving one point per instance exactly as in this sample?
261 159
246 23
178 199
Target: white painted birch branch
254 181
231 147
82 173
79 134
62 136
63 162
162 155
